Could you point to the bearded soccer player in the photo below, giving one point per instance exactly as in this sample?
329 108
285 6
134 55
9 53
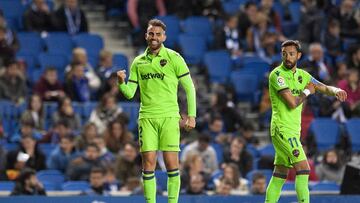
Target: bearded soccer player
289 87
157 72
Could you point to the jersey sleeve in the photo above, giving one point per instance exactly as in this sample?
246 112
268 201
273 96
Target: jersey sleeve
277 81
181 69
130 87
309 78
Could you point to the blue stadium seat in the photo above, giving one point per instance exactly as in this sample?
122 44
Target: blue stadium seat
87 108
47 148
231 7
55 60
30 62
246 86
353 129
36 75
326 132
75 186
268 173
295 11
325 186
288 186
92 43
12 8
193 48
267 150
132 110
161 179
7 185
218 64
53 178
219 152
252 150
251 58
120 61
10 146
50 186
172 29
199 26
59 43
259 68
215 175
10 114
30 43
49 108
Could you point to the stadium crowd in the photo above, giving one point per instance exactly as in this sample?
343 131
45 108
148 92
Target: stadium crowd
74 120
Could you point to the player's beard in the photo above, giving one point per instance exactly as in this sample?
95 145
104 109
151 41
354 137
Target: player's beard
289 65
154 44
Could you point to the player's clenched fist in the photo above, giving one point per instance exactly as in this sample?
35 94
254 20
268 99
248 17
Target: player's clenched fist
121 74
310 86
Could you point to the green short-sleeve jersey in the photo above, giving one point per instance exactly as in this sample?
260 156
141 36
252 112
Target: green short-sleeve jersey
279 79
158 78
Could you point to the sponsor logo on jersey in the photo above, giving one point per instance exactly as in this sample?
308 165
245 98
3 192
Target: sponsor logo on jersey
280 81
152 76
296 92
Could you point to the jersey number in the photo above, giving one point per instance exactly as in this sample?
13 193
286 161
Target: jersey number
291 140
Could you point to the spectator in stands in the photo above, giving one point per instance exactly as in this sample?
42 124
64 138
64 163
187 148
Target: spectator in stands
77 85
196 185
28 184
49 87
224 187
223 105
346 15
269 46
37 18
117 135
258 186
88 133
352 87
111 183
28 155
26 129
331 168
6 51
97 183
216 126
128 163
316 65
311 21
228 37
205 150
11 37
59 130
79 168
247 18
247 132
132 184
63 154
192 166
354 57
70 18
12 84
341 68
2 163
110 86
237 154
105 65
66 112
106 112
332 40
139 13
79 56
35 113
106 156
231 172
267 7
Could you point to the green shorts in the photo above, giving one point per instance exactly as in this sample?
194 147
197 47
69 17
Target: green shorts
159 134
288 148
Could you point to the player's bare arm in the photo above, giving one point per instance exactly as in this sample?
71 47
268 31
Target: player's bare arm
294 101
329 90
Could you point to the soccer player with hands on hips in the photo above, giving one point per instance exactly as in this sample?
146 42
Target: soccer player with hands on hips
288 88
157 72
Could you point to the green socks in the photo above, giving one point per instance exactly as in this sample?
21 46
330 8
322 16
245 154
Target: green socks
149 182
301 186
173 185
274 188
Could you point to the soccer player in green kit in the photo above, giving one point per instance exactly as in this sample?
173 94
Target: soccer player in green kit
157 72
289 87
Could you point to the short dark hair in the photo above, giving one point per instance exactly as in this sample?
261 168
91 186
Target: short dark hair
97 170
204 138
157 22
69 137
290 42
93 145
258 176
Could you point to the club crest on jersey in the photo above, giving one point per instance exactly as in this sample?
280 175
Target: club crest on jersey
300 79
296 152
163 62
280 81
